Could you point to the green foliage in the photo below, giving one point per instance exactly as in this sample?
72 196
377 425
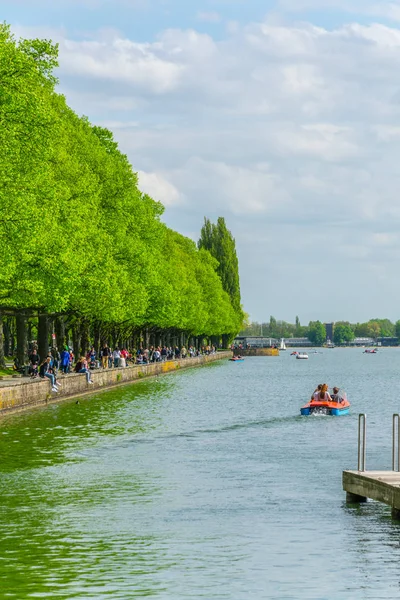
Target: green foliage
316 333
275 329
219 242
375 328
45 55
343 333
79 236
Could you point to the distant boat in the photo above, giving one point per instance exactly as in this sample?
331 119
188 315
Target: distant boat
283 345
370 351
302 355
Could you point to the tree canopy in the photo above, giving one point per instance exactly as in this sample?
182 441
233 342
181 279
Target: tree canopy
78 235
219 242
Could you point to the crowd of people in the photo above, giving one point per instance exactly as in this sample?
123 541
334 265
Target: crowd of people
65 361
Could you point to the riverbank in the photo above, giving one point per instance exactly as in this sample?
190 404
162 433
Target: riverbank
22 394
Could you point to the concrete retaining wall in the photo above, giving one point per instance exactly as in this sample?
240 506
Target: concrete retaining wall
256 352
25 394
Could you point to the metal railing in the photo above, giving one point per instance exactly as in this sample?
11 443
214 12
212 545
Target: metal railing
362 442
362 439
396 420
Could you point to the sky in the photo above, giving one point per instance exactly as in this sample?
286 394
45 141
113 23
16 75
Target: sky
283 116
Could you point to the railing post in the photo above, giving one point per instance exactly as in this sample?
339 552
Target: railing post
362 422
396 418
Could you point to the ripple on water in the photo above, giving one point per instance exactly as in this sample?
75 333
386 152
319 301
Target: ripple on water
206 484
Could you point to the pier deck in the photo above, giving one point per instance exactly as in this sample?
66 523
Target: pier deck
383 486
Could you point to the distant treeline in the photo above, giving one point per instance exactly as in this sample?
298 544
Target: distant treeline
343 331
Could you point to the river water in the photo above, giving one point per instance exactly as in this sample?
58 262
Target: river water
202 484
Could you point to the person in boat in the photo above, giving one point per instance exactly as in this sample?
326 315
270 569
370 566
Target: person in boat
323 395
336 396
316 392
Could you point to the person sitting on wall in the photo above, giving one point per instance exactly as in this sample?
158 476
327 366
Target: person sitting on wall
46 370
82 367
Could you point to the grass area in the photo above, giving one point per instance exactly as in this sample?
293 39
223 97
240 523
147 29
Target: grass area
8 370
4 372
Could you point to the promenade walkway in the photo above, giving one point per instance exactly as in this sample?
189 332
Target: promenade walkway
24 393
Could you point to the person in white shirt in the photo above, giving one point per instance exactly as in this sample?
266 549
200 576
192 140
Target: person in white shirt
116 356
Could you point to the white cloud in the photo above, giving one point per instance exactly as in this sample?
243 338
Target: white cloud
388 10
241 190
290 131
159 188
121 61
209 17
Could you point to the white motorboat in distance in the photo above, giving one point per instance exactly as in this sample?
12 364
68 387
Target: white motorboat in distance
302 355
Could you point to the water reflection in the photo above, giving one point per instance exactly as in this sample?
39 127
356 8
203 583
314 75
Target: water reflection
205 484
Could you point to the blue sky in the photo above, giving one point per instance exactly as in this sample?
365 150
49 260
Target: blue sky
144 19
281 115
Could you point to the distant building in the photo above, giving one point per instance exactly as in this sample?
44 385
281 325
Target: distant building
298 342
267 342
362 341
387 341
255 341
329 331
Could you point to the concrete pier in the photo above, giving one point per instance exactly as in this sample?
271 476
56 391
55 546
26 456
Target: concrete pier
382 486
256 352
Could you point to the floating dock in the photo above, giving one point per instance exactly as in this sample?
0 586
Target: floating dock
382 486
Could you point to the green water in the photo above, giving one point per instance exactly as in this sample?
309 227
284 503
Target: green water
202 484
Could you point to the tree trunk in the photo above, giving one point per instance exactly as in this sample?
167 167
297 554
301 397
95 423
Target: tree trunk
2 361
59 327
43 337
97 336
114 338
84 338
22 339
12 336
7 337
30 336
76 339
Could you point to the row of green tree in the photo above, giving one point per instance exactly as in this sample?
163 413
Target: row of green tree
343 331
80 240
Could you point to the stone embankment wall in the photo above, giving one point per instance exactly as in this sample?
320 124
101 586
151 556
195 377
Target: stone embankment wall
257 352
24 393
